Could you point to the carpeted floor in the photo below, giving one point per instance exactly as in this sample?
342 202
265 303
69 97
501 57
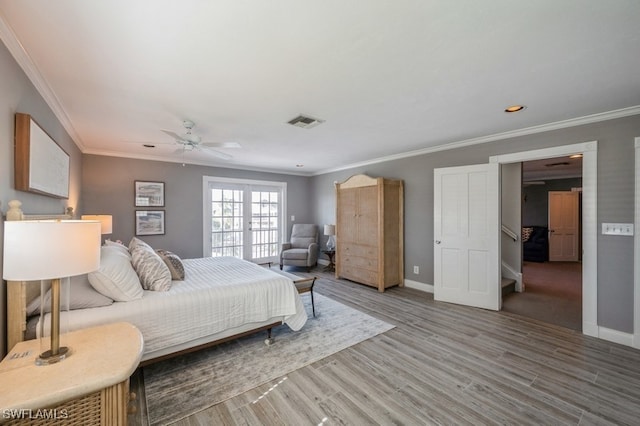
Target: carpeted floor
553 293
187 384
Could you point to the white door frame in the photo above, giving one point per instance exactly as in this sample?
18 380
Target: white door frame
589 219
636 250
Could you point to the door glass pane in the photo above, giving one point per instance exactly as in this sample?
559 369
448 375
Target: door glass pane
264 224
226 222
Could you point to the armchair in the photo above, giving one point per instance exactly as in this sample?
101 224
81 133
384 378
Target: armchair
302 250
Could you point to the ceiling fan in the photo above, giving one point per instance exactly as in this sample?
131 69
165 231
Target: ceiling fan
190 142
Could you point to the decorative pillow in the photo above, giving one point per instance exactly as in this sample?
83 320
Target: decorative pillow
82 296
137 242
526 233
173 262
118 245
153 272
116 278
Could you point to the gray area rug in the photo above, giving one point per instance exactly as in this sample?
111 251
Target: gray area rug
190 383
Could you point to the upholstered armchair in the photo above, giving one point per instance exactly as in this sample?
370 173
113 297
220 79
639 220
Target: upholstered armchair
302 250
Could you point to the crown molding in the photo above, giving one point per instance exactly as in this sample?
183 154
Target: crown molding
593 118
192 162
28 66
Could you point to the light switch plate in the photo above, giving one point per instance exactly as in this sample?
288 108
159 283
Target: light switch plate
617 229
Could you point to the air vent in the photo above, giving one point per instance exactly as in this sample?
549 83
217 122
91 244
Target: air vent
564 163
305 122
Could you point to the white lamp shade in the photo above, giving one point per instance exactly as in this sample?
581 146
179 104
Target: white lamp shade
329 230
106 221
42 250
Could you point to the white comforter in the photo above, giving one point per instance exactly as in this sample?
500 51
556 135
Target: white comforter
217 294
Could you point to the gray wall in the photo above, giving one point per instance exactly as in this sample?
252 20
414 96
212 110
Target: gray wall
107 184
615 203
535 206
19 95
107 188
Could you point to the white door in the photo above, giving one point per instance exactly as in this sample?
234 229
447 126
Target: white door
243 219
563 226
467 235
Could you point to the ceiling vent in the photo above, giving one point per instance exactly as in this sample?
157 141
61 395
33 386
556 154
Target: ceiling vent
305 122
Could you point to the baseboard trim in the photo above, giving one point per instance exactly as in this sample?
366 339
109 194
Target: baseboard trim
427 288
616 336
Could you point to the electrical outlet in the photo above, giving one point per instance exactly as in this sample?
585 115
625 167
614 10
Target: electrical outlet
617 229
416 270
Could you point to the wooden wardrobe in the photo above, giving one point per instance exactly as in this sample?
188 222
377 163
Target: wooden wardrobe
369 231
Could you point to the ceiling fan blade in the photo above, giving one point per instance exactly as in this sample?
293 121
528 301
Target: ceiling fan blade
213 152
174 135
222 144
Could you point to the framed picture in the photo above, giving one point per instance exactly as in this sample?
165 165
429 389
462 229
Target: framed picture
149 222
41 165
149 194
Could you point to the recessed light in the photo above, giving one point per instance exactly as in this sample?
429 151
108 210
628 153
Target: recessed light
576 156
146 145
299 165
514 108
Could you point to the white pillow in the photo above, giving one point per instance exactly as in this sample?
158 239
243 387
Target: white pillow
116 277
153 272
81 296
119 246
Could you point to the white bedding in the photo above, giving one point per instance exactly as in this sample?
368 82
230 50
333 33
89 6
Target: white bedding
217 294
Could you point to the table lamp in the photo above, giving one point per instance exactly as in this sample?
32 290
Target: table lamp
106 222
330 230
50 250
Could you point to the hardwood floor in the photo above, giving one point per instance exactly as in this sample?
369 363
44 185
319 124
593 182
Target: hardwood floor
444 364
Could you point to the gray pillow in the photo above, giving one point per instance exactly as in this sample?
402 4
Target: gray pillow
151 269
82 296
174 263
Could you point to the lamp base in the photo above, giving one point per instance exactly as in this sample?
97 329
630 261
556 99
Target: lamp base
47 358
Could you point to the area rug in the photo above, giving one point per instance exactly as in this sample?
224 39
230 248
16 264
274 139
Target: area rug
190 383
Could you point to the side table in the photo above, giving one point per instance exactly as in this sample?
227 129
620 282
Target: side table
89 387
330 254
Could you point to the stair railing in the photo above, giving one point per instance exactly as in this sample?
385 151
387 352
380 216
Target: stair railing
509 232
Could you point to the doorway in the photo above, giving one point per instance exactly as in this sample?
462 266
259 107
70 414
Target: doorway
588 267
551 268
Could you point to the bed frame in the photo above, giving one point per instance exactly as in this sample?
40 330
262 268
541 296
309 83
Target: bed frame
21 293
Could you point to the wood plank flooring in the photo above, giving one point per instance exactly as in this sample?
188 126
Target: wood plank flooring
443 364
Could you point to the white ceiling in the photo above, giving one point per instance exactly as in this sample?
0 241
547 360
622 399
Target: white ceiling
389 77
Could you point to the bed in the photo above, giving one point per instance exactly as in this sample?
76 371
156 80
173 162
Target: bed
219 299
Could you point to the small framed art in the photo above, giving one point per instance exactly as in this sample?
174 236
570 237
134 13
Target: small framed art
149 194
149 222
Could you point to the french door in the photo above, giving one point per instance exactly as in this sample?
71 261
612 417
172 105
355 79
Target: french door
243 218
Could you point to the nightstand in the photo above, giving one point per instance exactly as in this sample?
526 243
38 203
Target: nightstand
89 387
330 254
